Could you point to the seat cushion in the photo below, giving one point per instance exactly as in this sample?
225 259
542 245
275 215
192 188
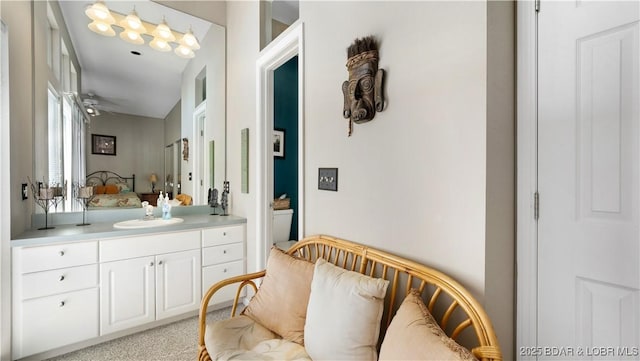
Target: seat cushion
344 312
241 338
414 335
281 301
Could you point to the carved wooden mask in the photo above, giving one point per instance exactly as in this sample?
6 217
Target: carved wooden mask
363 91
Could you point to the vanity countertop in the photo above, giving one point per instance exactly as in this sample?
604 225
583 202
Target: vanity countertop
101 230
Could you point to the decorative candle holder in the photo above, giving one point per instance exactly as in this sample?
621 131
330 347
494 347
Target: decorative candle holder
84 195
46 196
224 200
213 200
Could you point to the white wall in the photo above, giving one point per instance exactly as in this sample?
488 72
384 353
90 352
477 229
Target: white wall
210 10
243 42
212 56
501 214
17 17
172 124
139 147
414 180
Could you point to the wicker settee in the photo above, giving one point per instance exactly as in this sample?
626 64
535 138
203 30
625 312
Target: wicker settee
460 316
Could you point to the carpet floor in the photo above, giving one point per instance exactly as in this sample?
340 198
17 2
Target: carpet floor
173 342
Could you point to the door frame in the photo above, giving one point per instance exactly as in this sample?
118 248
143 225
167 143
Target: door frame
527 176
5 207
279 51
200 154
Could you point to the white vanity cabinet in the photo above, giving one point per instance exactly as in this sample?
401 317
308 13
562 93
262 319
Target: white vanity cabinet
55 296
222 257
148 278
70 293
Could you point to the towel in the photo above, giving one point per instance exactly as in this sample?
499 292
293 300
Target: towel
185 199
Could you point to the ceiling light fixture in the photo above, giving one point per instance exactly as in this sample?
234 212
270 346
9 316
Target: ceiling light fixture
133 28
131 36
99 11
189 40
163 31
184 52
102 28
160 45
133 22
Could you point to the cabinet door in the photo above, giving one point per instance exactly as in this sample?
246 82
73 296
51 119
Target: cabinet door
48 322
178 283
216 273
127 294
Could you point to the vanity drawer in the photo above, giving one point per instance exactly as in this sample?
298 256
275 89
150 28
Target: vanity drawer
222 254
213 274
148 245
47 283
42 258
222 235
49 322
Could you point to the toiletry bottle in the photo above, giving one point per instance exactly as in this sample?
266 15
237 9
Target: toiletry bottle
160 201
166 208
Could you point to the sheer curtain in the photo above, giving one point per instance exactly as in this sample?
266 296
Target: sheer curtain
75 154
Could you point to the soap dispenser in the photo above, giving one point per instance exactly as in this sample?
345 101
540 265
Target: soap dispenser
166 208
160 201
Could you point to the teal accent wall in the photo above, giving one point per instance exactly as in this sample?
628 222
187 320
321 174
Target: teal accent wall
285 80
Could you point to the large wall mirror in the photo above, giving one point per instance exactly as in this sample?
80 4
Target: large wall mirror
128 105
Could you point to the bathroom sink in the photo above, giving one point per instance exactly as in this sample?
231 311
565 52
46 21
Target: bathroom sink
147 223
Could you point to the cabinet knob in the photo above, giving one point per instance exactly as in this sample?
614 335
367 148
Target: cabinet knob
61 278
61 304
224 251
151 264
225 270
61 253
159 262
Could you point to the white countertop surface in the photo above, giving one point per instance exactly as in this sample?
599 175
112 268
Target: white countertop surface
98 230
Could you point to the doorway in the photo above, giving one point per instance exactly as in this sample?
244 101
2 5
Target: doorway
287 46
578 180
285 160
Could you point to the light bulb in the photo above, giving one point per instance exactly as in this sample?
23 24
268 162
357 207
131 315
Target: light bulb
133 22
159 44
132 37
184 52
189 40
101 28
163 31
99 11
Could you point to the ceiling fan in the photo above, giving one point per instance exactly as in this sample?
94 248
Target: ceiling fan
93 104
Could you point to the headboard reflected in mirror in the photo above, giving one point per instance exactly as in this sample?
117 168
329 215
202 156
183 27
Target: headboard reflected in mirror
112 190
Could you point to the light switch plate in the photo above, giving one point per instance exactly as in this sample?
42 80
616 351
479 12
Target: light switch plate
328 179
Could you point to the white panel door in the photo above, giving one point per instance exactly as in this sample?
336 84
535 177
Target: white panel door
588 169
179 283
127 294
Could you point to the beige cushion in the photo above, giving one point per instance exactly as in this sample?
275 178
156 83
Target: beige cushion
281 301
414 335
241 338
343 317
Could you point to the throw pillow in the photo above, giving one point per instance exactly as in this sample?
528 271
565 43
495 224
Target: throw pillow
98 190
281 301
123 187
111 189
414 335
344 313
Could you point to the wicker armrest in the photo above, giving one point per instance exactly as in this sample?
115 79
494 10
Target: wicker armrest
244 280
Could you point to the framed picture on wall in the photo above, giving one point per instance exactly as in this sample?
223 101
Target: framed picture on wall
278 143
103 144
